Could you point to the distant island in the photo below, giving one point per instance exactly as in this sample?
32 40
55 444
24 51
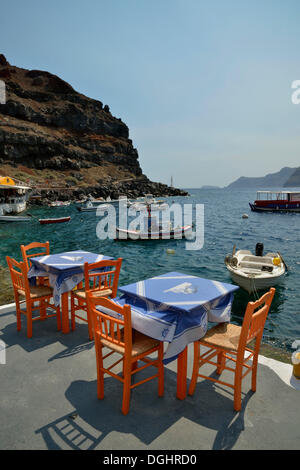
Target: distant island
286 177
206 186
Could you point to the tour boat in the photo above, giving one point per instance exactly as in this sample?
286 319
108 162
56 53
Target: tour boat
13 196
54 221
276 201
255 272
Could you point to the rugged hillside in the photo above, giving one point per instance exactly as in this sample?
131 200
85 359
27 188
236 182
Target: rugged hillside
271 180
55 137
294 180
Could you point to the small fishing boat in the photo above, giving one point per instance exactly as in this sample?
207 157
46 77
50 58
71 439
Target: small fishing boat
148 200
276 201
255 272
54 221
90 207
14 218
141 207
59 203
154 234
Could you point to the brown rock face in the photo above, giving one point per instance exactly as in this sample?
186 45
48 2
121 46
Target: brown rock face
49 131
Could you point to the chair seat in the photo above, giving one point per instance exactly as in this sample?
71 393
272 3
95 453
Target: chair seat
96 293
37 291
141 343
223 335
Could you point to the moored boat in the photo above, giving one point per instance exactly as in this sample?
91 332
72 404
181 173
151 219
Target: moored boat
13 196
255 272
276 201
154 234
59 203
14 218
90 207
54 221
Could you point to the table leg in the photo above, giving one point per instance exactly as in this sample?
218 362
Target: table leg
65 313
182 375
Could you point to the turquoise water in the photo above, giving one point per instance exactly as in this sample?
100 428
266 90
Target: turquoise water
224 227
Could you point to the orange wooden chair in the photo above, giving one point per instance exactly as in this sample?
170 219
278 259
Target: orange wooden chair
112 330
31 294
29 251
229 341
101 283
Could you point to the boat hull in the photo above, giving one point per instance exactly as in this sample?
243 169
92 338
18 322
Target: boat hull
54 221
274 208
132 235
255 272
252 285
14 218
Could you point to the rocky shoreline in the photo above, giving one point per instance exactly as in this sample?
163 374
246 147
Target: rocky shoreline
64 144
132 189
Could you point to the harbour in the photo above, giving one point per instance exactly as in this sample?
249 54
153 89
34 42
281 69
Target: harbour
222 229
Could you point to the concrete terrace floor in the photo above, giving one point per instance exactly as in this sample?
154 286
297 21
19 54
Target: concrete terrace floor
49 401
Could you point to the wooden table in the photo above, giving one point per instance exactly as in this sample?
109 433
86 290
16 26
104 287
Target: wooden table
65 271
175 308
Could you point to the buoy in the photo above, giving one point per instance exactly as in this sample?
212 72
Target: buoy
170 251
245 216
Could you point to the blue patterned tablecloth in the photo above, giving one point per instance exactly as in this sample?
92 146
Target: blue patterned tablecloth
176 308
65 270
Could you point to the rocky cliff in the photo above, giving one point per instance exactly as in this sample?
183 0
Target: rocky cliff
64 142
294 180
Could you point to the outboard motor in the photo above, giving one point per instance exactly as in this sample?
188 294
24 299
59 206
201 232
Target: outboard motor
259 249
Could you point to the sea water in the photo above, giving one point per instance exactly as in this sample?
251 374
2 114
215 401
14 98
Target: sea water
224 227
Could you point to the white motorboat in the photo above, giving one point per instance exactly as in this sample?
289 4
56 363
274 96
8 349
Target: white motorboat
154 233
14 218
59 203
255 272
141 207
148 200
90 207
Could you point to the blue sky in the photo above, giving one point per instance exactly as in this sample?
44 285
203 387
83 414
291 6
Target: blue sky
204 86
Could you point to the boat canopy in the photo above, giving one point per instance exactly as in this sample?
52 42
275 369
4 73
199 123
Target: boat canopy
7 183
278 195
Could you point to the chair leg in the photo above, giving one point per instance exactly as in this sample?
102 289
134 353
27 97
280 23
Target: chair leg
160 371
29 320
58 319
100 373
72 312
238 387
42 309
195 368
221 362
254 372
126 387
18 312
90 326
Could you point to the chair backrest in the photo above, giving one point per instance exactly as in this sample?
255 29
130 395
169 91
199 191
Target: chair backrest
18 274
111 322
255 318
103 275
44 249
